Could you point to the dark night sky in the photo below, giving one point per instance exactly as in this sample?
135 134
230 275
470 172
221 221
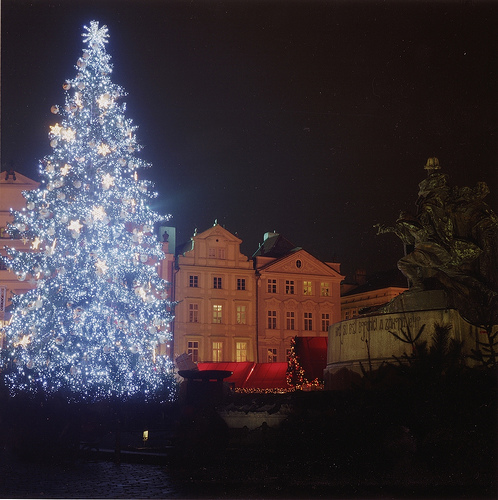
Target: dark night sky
313 119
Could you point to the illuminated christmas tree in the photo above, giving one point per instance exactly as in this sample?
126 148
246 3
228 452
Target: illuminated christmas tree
295 372
93 322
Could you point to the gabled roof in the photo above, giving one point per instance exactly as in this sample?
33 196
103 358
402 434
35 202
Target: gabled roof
309 265
275 246
215 230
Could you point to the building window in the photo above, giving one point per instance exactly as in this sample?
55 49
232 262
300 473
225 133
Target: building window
308 321
307 288
325 322
290 317
272 320
221 253
212 253
241 283
272 286
241 315
289 287
298 264
324 289
193 281
217 311
217 282
272 356
241 352
193 313
217 352
193 350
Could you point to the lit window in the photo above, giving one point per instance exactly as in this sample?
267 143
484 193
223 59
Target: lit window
217 282
272 356
217 310
272 286
241 352
193 313
193 281
241 315
290 317
308 321
241 283
272 320
289 287
324 289
325 322
193 350
307 288
217 352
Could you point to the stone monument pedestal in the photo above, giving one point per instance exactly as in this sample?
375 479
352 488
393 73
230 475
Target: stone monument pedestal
366 341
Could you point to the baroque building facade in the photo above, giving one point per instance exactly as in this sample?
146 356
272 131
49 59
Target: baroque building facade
215 290
298 295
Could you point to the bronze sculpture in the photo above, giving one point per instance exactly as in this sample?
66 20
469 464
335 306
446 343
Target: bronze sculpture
452 244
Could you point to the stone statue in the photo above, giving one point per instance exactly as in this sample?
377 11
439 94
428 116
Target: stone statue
452 244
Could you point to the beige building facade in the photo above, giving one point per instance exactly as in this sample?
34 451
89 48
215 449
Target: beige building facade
215 291
297 295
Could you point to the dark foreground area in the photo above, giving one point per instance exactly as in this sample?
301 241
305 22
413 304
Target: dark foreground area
424 440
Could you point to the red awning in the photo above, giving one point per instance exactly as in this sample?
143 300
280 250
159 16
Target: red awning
252 375
268 376
240 371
